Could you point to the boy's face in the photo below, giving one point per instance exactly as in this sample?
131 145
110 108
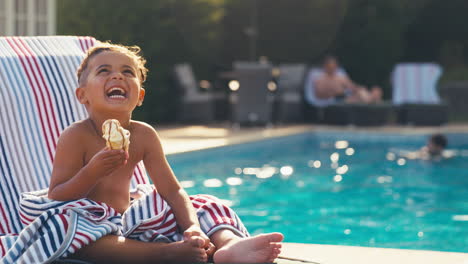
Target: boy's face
112 84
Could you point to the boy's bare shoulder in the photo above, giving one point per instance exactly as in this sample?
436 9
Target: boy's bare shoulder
142 127
77 130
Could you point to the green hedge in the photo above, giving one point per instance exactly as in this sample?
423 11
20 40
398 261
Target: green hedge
369 36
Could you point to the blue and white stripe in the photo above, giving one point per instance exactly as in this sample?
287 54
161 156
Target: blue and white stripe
57 229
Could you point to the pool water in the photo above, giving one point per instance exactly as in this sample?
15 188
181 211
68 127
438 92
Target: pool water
339 188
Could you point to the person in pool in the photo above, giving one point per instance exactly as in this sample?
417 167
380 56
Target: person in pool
435 149
110 87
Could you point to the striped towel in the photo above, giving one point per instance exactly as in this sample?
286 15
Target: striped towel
151 219
56 229
37 102
416 83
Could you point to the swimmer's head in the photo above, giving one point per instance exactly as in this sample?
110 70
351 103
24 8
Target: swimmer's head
437 143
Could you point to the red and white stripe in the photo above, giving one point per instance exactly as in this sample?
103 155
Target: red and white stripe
150 218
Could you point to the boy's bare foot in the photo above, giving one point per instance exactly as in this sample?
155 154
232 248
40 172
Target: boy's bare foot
189 251
263 248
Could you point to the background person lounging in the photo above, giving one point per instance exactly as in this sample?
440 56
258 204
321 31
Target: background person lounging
331 84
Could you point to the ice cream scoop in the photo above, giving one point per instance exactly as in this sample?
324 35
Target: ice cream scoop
115 135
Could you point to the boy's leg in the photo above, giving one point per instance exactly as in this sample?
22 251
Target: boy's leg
117 249
228 234
218 221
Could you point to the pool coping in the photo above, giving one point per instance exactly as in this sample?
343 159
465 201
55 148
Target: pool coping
332 254
182 139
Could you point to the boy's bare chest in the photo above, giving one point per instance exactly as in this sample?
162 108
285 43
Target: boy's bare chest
96 144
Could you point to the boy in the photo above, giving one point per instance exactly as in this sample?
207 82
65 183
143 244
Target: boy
110 86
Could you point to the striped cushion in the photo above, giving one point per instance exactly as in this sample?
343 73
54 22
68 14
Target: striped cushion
37 102
416 83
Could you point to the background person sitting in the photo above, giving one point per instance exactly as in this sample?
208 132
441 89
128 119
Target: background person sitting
333 85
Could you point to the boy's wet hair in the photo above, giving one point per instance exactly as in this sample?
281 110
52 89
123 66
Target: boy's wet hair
131 51
439 140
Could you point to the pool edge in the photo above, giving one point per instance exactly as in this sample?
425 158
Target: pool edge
333 254
183 139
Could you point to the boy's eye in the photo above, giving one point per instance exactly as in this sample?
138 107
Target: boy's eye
102 70
129 72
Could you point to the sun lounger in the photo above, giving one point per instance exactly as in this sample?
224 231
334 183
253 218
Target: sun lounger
252 103
37 102
414 91
197 105
288 101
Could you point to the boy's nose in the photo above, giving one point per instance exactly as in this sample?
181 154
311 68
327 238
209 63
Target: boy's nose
117 76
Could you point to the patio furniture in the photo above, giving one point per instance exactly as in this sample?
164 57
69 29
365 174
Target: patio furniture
454 93
329 111
197 105
414 91
252 103
288 100
37 102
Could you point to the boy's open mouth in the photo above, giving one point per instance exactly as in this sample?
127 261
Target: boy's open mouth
116 93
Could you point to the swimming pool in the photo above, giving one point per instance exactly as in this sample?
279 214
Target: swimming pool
339 188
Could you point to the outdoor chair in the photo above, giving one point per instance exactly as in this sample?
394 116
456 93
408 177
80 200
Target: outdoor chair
415 94
37 102
288 99
329 111
197 105
252 103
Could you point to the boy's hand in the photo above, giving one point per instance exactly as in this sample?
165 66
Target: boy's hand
107 161
210 252
196 231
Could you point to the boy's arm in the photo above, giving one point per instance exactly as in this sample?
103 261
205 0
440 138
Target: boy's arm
73 179
166 183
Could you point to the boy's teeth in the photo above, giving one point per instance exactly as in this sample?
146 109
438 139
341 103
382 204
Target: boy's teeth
117 96
122 91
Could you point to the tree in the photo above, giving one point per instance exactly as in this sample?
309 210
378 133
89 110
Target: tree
287 31
370 40
168 32
439 34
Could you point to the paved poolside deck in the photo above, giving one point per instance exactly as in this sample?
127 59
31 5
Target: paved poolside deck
327 254
178 139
